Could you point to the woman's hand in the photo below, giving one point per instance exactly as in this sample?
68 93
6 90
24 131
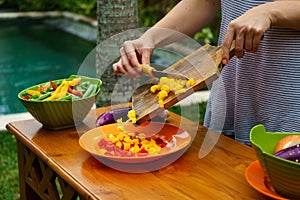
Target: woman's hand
176 25
133 54
246 31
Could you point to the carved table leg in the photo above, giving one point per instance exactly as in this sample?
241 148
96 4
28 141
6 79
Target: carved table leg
38 180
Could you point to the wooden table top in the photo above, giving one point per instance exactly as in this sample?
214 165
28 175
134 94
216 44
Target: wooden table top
219 175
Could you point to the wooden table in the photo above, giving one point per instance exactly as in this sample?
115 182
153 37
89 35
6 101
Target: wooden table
48 159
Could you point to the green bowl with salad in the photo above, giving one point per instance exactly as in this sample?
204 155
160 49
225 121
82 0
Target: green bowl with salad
280 173
62 103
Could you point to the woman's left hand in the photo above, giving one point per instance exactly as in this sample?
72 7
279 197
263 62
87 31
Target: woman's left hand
246 31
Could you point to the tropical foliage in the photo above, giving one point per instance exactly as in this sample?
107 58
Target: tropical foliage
83 7
149 12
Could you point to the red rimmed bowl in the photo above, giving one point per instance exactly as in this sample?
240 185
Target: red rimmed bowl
176 140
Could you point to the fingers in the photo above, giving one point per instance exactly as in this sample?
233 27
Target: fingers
130 65
146 56
246 32
121 68
248 42
245 38
236 35
256 40
239 45
229 36
117 67
132 56
129 54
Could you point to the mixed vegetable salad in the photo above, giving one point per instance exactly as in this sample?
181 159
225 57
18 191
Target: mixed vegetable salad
66 89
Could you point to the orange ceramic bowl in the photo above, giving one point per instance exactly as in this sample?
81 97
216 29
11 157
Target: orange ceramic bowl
177 139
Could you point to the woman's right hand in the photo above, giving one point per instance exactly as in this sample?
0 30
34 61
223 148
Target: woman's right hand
167 30
133 54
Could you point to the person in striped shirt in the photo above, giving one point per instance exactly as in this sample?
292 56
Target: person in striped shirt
261 84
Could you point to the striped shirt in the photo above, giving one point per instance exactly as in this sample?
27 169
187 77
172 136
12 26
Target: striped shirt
262 87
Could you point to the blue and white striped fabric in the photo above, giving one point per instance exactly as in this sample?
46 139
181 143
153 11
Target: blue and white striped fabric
260 88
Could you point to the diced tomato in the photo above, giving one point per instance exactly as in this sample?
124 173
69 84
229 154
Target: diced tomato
26 97
54 86
160 142
75 92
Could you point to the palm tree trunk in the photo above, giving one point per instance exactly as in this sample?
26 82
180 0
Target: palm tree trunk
114 17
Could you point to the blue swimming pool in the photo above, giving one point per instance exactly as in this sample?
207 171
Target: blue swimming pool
31 52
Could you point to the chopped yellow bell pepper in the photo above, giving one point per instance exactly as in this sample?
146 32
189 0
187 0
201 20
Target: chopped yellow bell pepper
132 115
190 82
34 92
126 146
155 88
60 92
74 82
166 85
161 103
162 94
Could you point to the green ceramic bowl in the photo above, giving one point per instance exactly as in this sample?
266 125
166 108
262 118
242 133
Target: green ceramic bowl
283 174
60 114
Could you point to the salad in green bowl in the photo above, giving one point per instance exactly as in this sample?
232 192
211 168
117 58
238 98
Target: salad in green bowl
61 103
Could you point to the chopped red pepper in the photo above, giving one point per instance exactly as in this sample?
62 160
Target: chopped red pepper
54 86
75 92
26 97
160 142
143 151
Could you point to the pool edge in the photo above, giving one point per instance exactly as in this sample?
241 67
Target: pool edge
5 119
35 14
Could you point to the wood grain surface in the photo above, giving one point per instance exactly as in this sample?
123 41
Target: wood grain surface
203 65
219 175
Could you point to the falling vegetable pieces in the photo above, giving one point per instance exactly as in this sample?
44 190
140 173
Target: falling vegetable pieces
132 115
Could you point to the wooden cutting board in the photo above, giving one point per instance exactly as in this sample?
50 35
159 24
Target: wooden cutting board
204 65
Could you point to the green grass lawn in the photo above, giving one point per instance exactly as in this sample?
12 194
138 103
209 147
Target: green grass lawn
9 179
